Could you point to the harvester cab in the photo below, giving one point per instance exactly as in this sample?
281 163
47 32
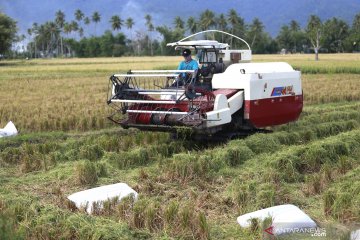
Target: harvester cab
227 93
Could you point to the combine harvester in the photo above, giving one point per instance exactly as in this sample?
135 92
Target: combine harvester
227 96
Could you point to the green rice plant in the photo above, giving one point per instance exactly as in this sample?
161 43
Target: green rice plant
259 143
286 164
314 184
101 169
285 194
265 224
137 157
204 228
109 206
139 220
344 164
110 143
328 200
85 172
10 155
46 148
266 196
327 172
91 152
171 212
8 227
186 215
242 196
153 216
125 207
288 138
139 138
70 155
342 207
185 167
312 157
255 225
30 163
234 156
272 176
241 191
97 208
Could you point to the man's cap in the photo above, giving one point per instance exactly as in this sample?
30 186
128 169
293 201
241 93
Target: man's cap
186 52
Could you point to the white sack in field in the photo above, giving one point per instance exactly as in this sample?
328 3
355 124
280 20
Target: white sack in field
9 130
285 218
100 194
355 235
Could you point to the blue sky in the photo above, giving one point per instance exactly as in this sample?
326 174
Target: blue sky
273 13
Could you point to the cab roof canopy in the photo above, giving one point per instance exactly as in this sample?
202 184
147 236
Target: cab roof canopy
199 44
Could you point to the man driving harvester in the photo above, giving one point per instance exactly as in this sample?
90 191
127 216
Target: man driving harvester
187 64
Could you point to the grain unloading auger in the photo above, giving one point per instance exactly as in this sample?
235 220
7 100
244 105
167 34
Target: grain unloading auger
227 94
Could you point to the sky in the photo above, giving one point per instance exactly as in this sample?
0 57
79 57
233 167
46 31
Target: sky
273 13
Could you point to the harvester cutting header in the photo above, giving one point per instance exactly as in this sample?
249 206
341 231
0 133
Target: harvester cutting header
224 92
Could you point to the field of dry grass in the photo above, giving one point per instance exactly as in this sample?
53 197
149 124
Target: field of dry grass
70 94
187 190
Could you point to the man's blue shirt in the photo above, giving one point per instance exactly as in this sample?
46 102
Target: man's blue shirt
190 65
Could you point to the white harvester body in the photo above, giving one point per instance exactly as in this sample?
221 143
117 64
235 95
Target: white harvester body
229 93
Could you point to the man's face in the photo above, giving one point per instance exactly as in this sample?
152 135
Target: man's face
187 58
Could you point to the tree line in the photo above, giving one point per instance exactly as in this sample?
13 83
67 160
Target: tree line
67 38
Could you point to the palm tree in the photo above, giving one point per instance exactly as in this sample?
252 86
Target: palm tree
51 30
294 29
29 32
192 25
96 18
207 19
35 30
74 26
86 20
67 28
67 31
60 18
256 28
236 23
356 23
294 26
178 22
116 22
79 15
129 25
222 23
81 32
60 21
151 28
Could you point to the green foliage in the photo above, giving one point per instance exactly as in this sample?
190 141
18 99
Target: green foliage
107 45
8 30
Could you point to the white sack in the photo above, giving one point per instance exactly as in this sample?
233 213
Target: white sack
355 235
100 194
9 130
284 218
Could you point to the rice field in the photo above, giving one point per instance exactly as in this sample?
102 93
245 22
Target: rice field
187 190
